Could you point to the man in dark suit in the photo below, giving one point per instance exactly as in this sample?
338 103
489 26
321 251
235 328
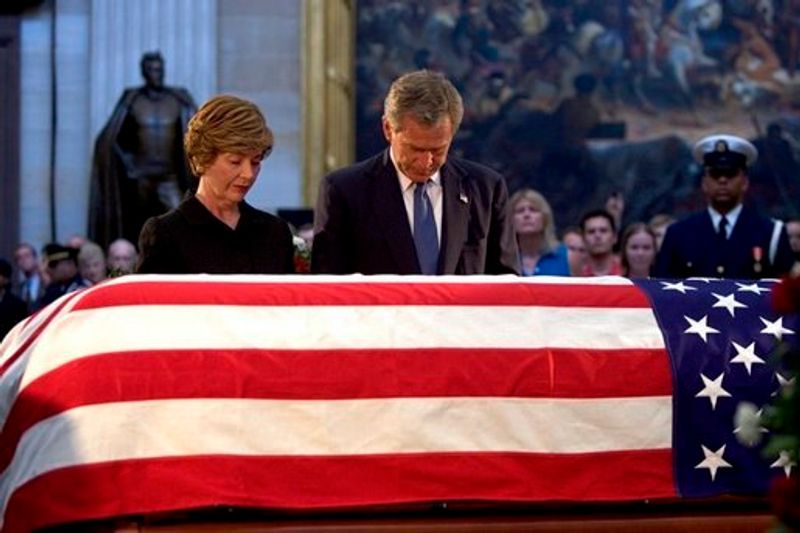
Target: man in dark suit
412 209
12 309
728 239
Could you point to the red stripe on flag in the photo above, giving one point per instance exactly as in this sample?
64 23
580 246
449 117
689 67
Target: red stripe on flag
286 374
35 334
170 484
366 293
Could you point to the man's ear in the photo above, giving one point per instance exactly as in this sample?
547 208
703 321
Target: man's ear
387 129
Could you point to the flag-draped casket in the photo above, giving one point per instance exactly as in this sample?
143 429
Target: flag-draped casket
156 393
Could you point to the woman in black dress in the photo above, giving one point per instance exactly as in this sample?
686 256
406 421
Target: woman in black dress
214 230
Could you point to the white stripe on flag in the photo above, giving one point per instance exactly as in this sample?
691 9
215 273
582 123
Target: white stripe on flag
165 327
185 427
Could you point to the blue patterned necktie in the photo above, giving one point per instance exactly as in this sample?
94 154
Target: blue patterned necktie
425 239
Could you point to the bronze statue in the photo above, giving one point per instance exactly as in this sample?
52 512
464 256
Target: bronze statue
139 168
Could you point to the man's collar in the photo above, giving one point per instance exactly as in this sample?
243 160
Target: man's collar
731 216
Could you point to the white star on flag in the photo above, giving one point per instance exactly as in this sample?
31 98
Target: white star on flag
679 286
713 461
751 288
700 327
785 462
746 356
712 390
775 328
728 302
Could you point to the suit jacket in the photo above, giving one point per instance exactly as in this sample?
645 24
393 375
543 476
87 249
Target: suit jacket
12 311
691 248
22 289
361 223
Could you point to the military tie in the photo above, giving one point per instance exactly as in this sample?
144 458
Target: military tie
425 239
722 234
722 238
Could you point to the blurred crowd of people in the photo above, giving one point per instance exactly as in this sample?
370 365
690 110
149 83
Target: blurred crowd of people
39 277
598 246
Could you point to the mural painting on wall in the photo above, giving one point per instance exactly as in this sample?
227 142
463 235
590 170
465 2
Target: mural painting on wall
584 98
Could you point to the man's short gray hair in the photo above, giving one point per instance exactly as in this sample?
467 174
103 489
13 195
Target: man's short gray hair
425 95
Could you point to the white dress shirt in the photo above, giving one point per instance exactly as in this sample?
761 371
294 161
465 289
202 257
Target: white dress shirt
732 216
435 193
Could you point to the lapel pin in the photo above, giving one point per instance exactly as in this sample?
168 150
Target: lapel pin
463 198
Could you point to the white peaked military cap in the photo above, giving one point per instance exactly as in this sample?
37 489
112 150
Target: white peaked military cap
721 150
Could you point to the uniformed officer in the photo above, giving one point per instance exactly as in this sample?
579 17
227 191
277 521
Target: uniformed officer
728 239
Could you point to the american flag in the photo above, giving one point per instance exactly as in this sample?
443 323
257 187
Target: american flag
158 393
721 336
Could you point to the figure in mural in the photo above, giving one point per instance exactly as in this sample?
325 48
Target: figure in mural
683 58
601 49
774 176
139 169
567 160
757 75
644 20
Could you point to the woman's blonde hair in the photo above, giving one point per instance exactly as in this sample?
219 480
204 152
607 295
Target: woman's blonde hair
225 124
540 203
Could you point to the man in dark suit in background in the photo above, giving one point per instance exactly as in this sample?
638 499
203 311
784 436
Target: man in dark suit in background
728 239
12 309
411 209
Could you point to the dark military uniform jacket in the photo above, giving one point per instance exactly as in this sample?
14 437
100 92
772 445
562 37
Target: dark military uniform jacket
758 247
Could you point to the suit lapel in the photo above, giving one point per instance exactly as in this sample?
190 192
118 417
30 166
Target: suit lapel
455 218
707 226
389 211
